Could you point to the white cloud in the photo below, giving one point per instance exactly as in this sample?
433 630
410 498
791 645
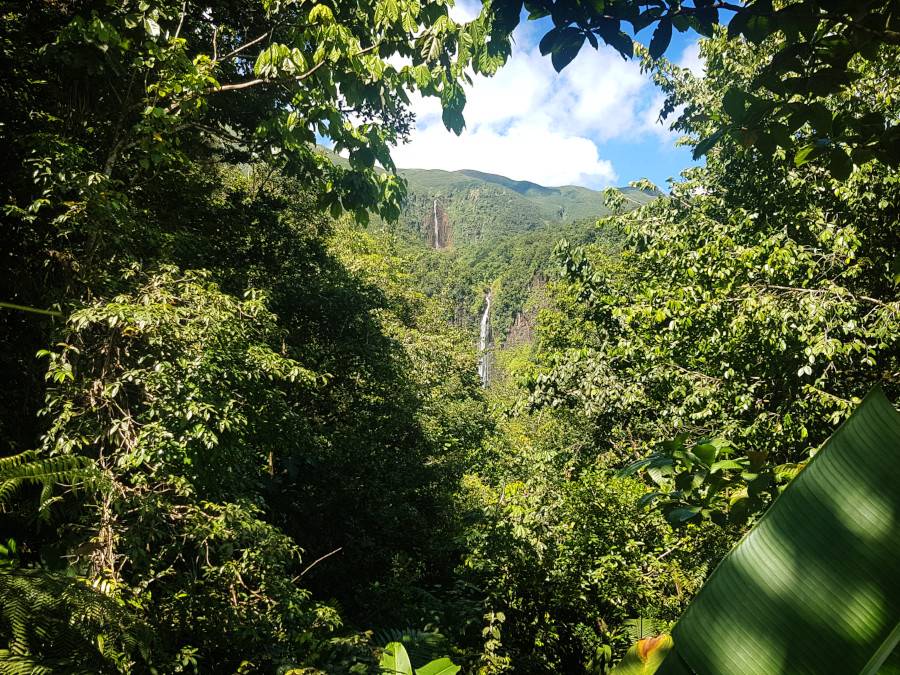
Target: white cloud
530 123
465 10
691 59
523 151
599 93
521 89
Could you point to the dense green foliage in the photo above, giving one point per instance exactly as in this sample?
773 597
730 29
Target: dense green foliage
757 303
201 410
233 391
240 434
813 586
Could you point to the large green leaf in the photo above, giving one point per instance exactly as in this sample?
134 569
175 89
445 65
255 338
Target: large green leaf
395 660
814 587
645 656
439 667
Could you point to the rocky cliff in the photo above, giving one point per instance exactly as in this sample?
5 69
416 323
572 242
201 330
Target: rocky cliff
436 227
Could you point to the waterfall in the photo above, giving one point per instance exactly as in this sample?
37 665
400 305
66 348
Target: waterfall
484 342
437 234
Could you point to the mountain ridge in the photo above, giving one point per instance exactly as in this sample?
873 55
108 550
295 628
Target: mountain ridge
476 206
522 186
513 205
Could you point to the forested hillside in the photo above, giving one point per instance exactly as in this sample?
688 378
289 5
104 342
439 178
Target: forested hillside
467 234
479 207
242 428
513 269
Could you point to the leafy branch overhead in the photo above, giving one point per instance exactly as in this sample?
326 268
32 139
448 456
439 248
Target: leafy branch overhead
824 40
264 81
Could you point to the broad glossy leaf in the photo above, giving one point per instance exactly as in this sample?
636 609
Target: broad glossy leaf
735 103
662 36
506 14
797 19
707 144
738 24
536 10
808 153
725 465
566 48
395 660
759 26
682 514
548 42
840 164
645 656
707 453
815 585
439 667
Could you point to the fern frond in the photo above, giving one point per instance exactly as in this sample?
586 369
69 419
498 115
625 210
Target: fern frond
643 627
51 622
31 468
16 664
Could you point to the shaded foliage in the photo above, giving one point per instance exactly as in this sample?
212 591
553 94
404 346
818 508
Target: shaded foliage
757 304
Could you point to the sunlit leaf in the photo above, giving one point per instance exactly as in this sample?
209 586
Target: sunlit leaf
815 586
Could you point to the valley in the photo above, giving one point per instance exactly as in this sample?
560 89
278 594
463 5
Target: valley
471 235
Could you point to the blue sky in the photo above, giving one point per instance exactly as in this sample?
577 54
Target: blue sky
594 124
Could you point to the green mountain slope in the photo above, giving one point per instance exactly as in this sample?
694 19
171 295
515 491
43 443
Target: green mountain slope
470 207
468 233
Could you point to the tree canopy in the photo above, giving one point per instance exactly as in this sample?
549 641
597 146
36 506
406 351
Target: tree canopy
819 41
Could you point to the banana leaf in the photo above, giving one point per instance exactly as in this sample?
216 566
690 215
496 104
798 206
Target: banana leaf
645 656
395 661
814 587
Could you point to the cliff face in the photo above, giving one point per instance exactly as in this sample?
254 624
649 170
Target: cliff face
436 226
525 319
521 331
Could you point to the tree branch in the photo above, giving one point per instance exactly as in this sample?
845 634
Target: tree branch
181 20
825 291
318 560
237 85
35 310
299 78
244 46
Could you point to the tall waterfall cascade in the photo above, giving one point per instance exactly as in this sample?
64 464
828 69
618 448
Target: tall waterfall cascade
437 233
484 343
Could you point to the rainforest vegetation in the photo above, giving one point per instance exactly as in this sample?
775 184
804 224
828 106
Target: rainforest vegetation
241 426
